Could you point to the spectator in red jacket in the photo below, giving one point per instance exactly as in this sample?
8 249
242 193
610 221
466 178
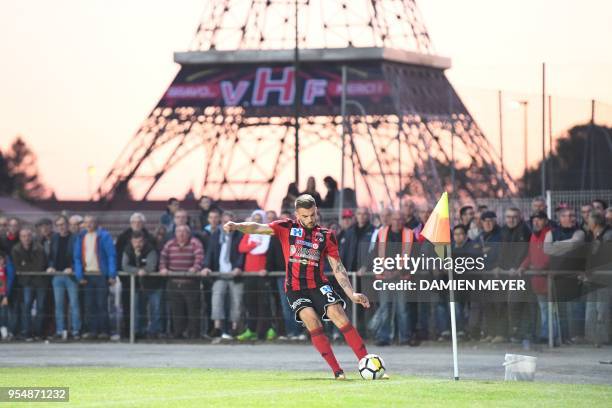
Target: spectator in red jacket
7 276
255 246
537 260
257 290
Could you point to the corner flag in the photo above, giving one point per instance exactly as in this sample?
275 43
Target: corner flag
437 227
437 231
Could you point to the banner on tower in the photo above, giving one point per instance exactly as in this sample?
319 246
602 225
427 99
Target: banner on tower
270 90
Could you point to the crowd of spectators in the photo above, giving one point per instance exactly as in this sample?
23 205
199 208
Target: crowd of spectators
60 278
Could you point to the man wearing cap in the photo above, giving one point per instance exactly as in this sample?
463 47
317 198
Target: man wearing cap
538 205
348 220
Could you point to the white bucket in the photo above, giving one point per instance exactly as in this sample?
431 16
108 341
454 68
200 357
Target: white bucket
520 368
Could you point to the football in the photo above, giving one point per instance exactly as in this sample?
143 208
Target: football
371 367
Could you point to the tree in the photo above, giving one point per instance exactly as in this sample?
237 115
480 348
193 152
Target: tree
19 173
581 161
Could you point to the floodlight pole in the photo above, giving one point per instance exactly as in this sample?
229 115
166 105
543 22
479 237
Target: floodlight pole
525 105
363 112
343 114
296 98
501 131
550 144
132 308
544 160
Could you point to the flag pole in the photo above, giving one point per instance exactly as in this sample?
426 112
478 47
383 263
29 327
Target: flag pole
453 319
437 231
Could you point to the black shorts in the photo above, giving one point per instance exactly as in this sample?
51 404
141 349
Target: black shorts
318 298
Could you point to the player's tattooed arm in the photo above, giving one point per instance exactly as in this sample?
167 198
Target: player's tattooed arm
341 275
248 228
343 280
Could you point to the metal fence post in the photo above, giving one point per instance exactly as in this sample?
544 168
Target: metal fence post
132 308
551 340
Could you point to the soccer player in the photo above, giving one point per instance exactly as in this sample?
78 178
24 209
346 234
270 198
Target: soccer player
305 245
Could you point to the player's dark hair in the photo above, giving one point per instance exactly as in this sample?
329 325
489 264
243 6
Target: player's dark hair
305 201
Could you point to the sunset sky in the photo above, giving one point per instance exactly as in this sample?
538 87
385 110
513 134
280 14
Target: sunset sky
78 77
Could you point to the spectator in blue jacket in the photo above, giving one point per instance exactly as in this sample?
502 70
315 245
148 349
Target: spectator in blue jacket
61 261
95 266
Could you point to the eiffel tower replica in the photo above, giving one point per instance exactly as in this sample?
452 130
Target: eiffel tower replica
228 119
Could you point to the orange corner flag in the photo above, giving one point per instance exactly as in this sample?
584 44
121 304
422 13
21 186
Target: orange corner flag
437 228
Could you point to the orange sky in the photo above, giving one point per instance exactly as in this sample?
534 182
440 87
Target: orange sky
78 77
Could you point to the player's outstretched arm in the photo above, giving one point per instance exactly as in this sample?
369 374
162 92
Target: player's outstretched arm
248 228
345 283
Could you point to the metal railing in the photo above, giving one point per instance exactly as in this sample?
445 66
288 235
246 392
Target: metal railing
175 274
354 276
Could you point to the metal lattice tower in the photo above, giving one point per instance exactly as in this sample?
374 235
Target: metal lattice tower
229 108
270 25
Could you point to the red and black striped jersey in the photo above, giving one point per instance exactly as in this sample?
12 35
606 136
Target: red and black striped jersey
304 251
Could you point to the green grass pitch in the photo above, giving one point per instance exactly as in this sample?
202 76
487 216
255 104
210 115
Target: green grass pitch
173 387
